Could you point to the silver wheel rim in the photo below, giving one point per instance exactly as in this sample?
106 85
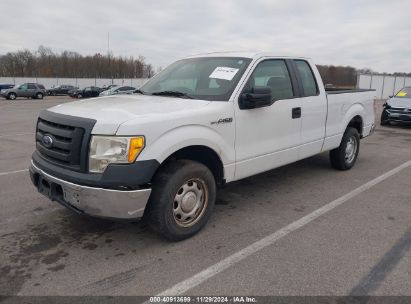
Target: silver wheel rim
351 150
190 202
12 96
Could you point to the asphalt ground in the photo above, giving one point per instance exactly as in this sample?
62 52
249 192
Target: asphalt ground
303 229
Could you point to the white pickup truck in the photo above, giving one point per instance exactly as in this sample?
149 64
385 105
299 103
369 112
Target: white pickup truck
204 121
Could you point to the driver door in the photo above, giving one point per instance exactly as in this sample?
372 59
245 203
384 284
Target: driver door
22 91
269 137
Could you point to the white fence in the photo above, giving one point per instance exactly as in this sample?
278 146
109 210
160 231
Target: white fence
385 86
78 82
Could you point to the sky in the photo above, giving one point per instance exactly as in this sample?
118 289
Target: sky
372 34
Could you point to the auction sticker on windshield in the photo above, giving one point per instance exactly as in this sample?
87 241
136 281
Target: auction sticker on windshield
224 73
402 94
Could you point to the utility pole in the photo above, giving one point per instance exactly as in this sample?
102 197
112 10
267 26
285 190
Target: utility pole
108 54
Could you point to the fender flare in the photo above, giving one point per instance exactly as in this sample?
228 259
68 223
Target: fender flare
352 112
188 135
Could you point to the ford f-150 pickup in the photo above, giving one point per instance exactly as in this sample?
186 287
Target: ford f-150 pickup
161 153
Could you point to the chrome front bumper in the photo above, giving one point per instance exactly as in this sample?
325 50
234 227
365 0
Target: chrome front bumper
99 202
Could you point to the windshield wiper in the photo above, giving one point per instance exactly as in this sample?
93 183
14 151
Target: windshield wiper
172 93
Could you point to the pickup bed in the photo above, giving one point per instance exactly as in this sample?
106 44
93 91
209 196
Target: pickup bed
205 120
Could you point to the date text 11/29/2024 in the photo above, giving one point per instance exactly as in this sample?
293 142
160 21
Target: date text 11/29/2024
203 299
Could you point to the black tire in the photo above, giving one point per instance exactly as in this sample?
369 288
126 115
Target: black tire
384 118
338 156
39 96
12 96
167 184
79 96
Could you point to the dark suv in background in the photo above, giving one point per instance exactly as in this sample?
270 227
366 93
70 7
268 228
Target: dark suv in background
87 92
61 90
5 86
33 90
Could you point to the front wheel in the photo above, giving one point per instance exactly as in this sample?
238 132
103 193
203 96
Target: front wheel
12 96
345 156
182 199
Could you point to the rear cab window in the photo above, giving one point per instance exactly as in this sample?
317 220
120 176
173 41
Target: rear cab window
308 81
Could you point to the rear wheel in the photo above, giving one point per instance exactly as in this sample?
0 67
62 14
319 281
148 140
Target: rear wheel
39 96
79 96
12 96
345 156
182 199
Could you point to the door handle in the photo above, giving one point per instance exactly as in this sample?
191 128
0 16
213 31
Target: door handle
296 113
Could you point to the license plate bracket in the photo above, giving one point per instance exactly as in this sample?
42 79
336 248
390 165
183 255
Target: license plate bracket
44 187
72 197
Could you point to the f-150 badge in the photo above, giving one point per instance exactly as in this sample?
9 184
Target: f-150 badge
222 121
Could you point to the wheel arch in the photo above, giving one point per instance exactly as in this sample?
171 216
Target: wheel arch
357 122
355 117
202 154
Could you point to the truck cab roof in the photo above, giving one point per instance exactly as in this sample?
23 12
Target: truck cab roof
246 54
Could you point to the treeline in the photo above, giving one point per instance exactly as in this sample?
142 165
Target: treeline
338 76
346 76
46 63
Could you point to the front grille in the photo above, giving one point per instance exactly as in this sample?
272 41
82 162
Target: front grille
399 110
70 137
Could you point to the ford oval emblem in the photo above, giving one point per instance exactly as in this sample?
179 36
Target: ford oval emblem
47 141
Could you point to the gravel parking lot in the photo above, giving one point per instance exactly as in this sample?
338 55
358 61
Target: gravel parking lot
322 232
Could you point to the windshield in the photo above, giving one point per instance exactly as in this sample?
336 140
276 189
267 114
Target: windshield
404 93
208 78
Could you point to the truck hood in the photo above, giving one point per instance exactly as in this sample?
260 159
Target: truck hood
400 102
111 111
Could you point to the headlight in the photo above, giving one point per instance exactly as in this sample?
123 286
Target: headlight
105 150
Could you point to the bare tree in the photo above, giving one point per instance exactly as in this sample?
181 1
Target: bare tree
338 75
46 63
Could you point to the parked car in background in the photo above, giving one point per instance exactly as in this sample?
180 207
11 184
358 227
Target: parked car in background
87 92
397 108
4 86
107 87
72 92
28 90
63 89
115 90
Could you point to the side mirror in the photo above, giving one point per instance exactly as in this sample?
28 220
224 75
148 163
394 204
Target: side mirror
391 96
257 98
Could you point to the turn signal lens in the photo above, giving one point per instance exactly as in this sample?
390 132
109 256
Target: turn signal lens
135 147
